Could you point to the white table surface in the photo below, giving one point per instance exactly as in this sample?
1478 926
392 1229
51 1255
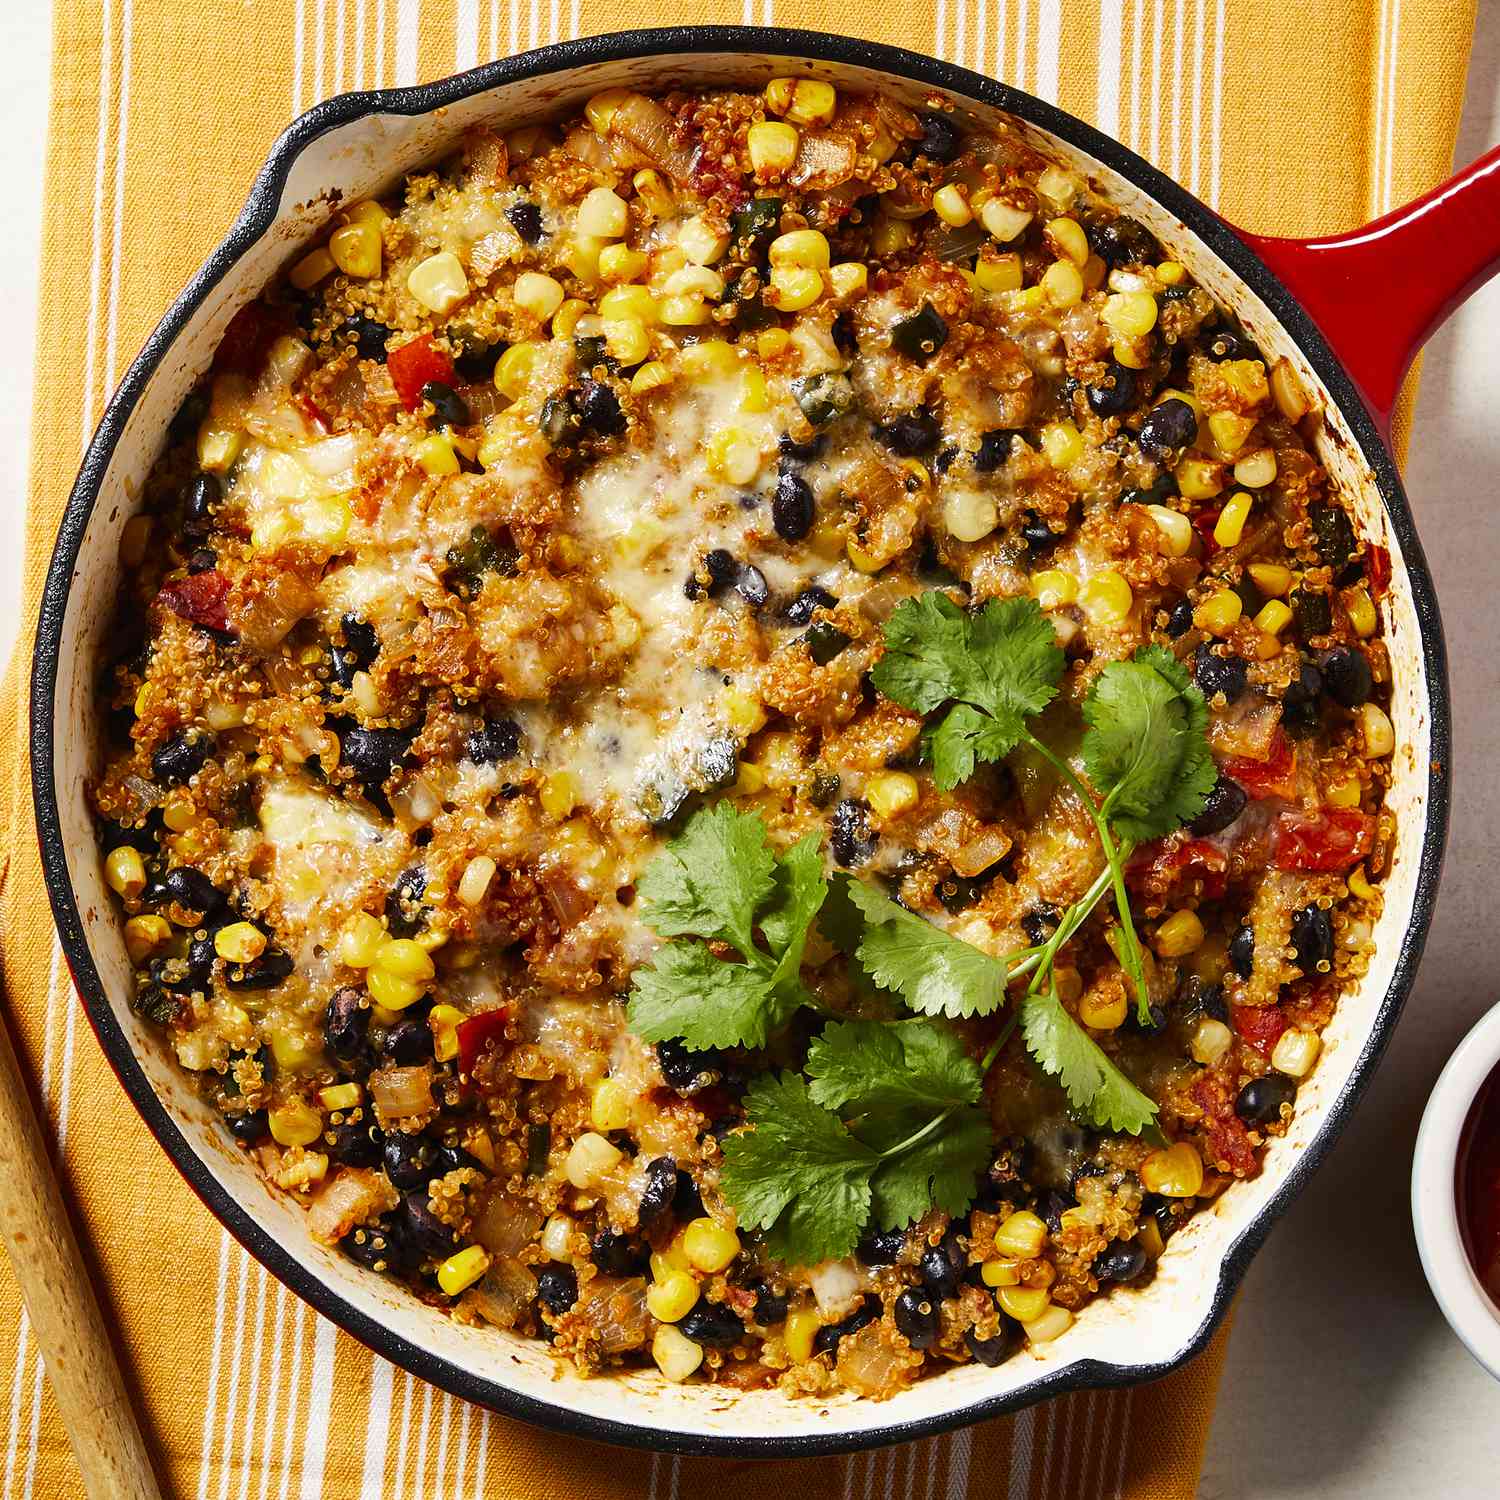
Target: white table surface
1343 1382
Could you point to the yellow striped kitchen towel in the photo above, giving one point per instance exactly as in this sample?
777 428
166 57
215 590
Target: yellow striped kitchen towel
1291 116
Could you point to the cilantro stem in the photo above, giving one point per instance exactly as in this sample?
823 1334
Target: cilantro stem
1114 858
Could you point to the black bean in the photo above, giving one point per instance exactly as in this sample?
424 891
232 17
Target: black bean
200 961
619 1254
192 889
942 140
750 584
1260 1101
476 360
660 1190
346 1023
1180 620
851 837
686 1072
1301 713
824 641
403 907
494 741
991 1352
377 1247
1040 923
1168 427
248 1127
1347 678
1114 393
917 1318
1225 803
1039 537
265 973
526 219
828 1336
408 1043
1123 1261
792 507
1122 242
912 433
713 1324
939 1272
722 570
373 754
201 498
1154 1024
921 335
1229 343
770 1306
1312 937
1052 1205
557 1288
598 408
360 640
182 756
407 1160
994 449
1216 674
842 333
449 409
688 1204
792 451
423 1230
368 335
355 1143
1242 951
801 609
881 1247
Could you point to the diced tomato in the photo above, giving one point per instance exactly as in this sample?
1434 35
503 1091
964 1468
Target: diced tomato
1331 840
199 597
1204 523
1276 776
475 1033
248 339
1158 866
1228 1143
1378 570
1260 1025
416 363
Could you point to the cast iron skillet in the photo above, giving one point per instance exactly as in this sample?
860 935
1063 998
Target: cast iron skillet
1376 293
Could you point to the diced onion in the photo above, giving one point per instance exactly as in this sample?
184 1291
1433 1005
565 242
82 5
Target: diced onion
400 1093
648 127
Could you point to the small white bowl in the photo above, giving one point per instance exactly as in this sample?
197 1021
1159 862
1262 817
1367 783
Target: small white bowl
1470 1312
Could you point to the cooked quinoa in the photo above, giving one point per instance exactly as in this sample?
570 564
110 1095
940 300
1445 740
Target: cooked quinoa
566 491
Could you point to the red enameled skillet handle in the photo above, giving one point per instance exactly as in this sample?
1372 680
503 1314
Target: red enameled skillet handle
1380 292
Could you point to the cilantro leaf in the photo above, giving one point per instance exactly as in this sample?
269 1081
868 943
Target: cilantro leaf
933 972
686 992
1145 748
797 1173
875 1068
941 1169
1093 1083
796 898
1000 666
708 881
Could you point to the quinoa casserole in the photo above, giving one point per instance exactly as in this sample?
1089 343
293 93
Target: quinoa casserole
742 735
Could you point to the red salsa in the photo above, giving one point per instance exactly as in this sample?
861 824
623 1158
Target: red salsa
1479 1185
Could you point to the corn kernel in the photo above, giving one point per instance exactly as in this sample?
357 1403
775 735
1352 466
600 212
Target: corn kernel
1247 378
812 103
1134 354
514 368
603 214
1001 1272
1361 608
340 1096
1359 884
951 204
1102 1010
1377 733
1211 1042
240 942
589 1159
742 713
435 456
708 1245
651 376
1094 272
626 340
792 288
539 294
676 1355
1063 284
1199 478
610 1106
995 272
1003 220
144 936
1107 598
218 448
463 1269
891 793
1228 431
862 557
1051 1323
445 1021
405 959
630 302
294 1123
969 515
311 269
1292 401
559 793
125 872
360 941
391 990
771 342
1272 579
1256 470
1062 444
685 312
1181 934
1219 613
671 1297
1130 313
475 880
1345 792
655 193
800 1330
1170 273
1230 526
1295 1052
778 95
367 212
1175 528
773 146
1053 588
600 110
733 456
694 281
1274 617
749 779
800 247
618 263
890 236
1067 238
356 250
1057 187
1024 1303
580 255
439 282
1174 1172
1021 1236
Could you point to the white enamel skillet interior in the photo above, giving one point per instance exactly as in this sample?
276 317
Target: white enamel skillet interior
360 144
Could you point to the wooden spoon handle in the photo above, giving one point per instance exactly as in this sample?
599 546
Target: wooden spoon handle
64 1314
